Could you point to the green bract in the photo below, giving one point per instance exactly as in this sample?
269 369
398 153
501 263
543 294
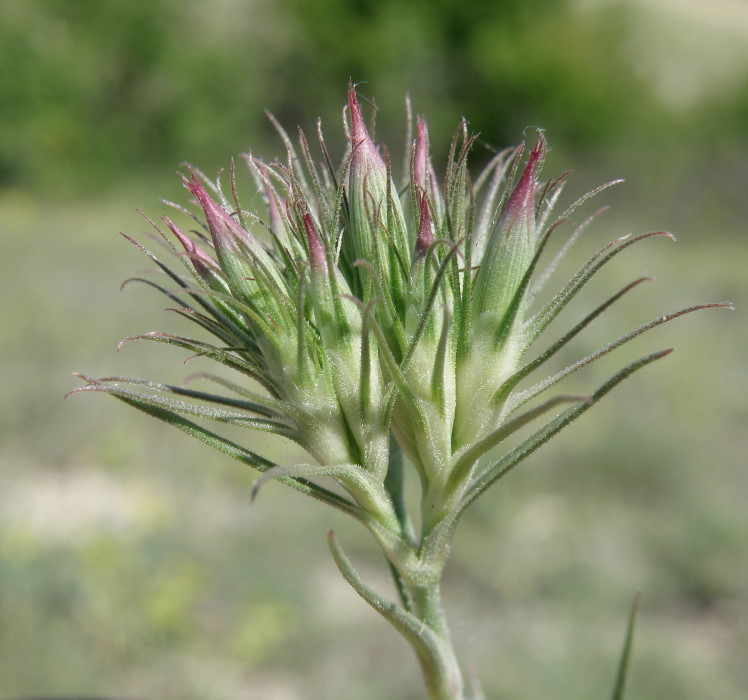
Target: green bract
367 320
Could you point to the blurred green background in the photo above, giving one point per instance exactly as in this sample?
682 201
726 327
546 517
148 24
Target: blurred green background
131 561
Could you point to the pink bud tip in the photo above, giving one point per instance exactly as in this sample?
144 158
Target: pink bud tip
198 192
276 222
366 157
425 236
316 248
421 154
359 131
522 198
224 230
200 259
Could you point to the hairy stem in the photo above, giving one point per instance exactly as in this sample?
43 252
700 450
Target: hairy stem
422 623
442 673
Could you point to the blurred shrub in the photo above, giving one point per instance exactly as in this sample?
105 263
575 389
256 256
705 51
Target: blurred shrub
115 87
98 90
505 65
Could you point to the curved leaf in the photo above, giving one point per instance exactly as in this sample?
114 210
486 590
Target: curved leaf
505 389
182 407
483 481
524 396
432 651
466 458
242 454
366 491
536 325
628 645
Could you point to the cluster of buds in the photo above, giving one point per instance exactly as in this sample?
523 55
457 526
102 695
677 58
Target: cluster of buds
372 320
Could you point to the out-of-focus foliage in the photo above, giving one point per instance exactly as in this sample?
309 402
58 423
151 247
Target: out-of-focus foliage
105 89
505 64
114 88
93 93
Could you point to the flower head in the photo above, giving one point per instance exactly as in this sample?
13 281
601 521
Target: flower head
358 313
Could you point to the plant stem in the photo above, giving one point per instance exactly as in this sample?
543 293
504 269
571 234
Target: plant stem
421 620
441 671
439 665
417 577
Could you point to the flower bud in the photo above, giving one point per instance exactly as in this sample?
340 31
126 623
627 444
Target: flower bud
510 247
204 265
226 233
424 178
241 256
376 221
317 257
420 161
275 220
425 236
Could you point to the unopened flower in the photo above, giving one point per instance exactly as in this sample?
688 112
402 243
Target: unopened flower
367 322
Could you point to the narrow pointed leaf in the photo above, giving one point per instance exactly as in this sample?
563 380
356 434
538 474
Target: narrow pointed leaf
221 355
183 407
427 645
524 396
546 274
241 454
352 477
466 459
541 321
166 292
628 645
440 363
553 427
530 367
426 311
253 407
276 407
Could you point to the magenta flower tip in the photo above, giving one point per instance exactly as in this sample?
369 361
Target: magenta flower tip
421 155
213 213
275 220
187 243
223 229
365 152
197 190
523 196
200 259
359 131
316 248
425 236
367 182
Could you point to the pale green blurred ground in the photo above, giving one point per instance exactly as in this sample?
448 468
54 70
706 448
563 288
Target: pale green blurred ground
133 565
